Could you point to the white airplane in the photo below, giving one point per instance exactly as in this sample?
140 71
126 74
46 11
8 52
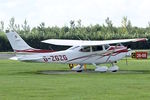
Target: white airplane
81 52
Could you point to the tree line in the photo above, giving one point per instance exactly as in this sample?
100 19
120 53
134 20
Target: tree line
75 30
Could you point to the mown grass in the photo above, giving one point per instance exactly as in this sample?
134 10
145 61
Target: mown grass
22 81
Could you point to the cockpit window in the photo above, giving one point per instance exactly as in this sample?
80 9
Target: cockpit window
85 49
97 48
106 46
72 48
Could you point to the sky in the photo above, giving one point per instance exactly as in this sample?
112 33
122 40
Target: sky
60 12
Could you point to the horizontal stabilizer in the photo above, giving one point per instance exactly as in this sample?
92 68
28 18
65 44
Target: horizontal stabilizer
29 59
25 58
14 58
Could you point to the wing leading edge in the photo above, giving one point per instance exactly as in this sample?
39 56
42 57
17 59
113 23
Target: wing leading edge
89 43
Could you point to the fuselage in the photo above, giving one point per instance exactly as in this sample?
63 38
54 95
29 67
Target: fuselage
81 55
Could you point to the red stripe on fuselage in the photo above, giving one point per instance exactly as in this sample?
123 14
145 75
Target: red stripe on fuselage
121 49
34 51
115 47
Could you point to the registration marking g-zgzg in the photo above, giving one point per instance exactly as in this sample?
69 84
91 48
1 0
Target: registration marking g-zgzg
55 58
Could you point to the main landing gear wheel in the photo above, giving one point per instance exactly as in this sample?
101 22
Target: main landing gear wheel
101 69
113 68
78 68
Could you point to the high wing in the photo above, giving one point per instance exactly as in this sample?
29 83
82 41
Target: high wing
89 43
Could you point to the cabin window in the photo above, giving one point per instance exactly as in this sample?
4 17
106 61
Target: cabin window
97 48
106 46
85 49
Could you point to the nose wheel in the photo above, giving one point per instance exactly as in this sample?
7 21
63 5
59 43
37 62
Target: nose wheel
113 68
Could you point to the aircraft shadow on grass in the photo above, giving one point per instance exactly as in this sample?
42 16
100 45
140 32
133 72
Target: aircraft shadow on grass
88 71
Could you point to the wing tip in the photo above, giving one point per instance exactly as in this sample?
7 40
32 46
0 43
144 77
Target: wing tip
141 40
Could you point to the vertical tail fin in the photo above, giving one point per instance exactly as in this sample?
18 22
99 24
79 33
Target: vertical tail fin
17 43
21 47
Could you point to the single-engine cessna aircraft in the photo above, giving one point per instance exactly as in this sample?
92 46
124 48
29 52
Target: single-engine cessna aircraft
81 52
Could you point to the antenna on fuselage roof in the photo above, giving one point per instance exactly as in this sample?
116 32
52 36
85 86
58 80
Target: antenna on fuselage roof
78 37
88 39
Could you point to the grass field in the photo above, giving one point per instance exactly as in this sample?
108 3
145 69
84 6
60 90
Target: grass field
22 81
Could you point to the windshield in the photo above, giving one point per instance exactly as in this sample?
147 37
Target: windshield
74 47
97 48
106 46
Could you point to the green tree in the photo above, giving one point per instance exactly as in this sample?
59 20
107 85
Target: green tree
26 27
109 23
41 29
11 25
72 24
2 26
